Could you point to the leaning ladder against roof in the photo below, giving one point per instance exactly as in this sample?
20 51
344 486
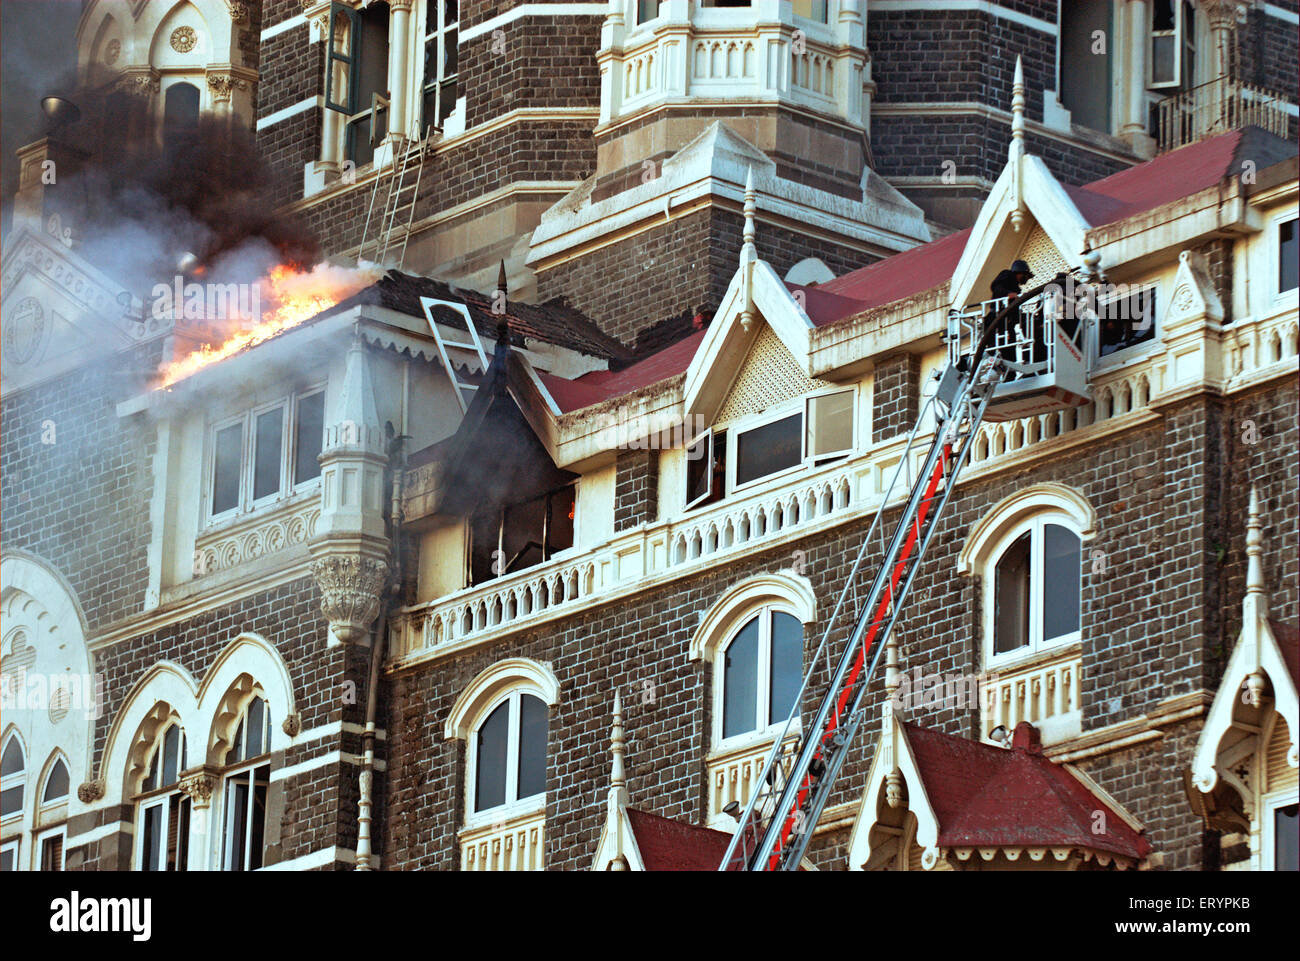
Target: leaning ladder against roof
403 183
777 824
474 344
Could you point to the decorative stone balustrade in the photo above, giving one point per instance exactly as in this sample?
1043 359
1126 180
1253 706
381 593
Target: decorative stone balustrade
514 845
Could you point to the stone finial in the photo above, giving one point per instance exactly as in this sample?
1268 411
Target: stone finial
1018 109
1017 151
1254 547
894 788
617 747
749 251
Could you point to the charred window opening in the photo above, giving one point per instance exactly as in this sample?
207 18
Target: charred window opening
521 534
1126 320
1085 77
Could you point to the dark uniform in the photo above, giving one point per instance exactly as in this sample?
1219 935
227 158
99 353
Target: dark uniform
1005 284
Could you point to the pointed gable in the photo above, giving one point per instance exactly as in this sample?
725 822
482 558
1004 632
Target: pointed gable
768 377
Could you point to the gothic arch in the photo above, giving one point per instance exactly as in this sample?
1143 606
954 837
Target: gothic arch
789 591
521 672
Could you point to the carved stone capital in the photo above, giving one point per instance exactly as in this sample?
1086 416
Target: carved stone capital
198 787
91 791
292 724
351 587
141 83
238 11
223 85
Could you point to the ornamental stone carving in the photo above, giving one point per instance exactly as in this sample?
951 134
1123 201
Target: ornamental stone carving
91 791
223 85
238 11
292 724
351 588
199 788
141 85
184 39
112 51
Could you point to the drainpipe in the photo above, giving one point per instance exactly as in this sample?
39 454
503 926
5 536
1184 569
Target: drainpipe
372 688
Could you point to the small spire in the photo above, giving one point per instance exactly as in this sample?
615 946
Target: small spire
749 251
1254 548
1018 110
501 278
618 775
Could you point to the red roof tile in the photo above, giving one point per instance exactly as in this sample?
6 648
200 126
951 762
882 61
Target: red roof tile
986 796
668 845
601 385
1288 639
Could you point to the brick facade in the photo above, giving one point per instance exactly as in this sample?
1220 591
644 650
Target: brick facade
636 489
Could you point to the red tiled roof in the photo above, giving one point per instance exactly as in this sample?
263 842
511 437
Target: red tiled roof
668 845
986 796
886 281
601 385
1288 639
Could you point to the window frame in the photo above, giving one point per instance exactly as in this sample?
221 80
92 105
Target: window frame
1269 806
247 420
762 702
38 849
800 407
1277 295
1151 288
1038 645
513 806
436 33
165 795
12 846
16 779
1179 35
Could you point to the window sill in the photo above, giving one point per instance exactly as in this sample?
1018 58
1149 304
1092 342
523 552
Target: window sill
503 817
1019 659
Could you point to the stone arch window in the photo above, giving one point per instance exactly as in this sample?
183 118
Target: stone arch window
753 637
246 787
13 777
761 669
1028 552
162 808
503 718
180 111
51 814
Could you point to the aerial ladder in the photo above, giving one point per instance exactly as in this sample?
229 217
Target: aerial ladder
1031 356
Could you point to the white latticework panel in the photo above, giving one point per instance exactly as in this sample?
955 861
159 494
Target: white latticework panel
1042 256
768 376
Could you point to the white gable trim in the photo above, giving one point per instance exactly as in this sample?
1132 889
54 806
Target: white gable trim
892 748
718 359
1257 647
1047 203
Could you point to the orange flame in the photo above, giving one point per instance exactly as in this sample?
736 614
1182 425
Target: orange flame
293 297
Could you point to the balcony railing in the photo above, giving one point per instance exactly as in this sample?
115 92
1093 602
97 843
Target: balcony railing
1216 107
515 845
1044 692
733 774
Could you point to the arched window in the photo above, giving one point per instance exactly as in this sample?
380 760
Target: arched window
13 770
180 110
761 668
507 759
56 784
1033 587
163 827
246 783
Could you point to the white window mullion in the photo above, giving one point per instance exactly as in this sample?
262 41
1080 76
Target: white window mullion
512 750
1036 585
763 695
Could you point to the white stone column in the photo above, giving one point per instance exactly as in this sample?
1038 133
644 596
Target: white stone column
399 43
